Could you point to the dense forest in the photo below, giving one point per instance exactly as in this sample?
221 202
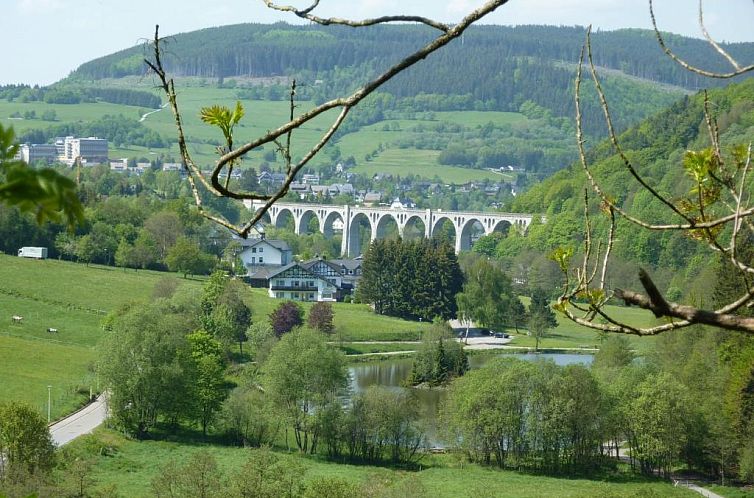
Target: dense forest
281 49
512 65
657 147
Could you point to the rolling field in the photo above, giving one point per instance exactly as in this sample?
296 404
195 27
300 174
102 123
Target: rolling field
402 162
71 298
260 117
133 464
74 299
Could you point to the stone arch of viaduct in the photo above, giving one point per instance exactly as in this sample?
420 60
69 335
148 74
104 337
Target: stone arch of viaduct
347 218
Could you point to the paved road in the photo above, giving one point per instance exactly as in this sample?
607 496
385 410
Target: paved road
82 422
677 481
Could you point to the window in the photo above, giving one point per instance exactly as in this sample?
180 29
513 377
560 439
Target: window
280 295
261 260
311 296
254 250
311 283
261 249
295 283
280 283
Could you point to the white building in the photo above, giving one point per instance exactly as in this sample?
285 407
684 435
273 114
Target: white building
120 165
294 282
90 150
263 252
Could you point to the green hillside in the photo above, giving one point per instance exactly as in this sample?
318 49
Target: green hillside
74 299
516 110
656 148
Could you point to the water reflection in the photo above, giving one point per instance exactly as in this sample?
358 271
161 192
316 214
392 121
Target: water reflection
392 373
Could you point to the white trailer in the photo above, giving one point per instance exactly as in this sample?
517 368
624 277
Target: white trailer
33 252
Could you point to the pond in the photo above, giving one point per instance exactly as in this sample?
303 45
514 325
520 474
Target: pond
392 373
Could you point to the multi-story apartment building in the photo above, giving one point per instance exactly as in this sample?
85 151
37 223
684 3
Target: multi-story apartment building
90 149
31 153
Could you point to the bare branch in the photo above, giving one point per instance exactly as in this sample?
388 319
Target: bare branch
614 137
712 42
689 313
345 104
738 69
610 241
307 14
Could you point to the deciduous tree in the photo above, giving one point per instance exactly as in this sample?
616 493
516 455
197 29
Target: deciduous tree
25 442
303 374
320 317
186 257
145 364
487 296
285 317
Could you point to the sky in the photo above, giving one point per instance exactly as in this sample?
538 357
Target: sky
42 41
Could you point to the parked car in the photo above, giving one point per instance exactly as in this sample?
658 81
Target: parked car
499 335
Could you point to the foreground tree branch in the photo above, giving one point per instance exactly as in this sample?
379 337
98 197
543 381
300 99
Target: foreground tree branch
233 155
713 213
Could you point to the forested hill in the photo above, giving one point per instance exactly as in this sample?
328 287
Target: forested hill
489 68
656 147
259 50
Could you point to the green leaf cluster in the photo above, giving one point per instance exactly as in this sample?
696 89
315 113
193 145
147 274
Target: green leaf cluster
45 193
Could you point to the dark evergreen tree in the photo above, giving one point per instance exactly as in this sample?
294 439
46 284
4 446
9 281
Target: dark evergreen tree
416 279
540 305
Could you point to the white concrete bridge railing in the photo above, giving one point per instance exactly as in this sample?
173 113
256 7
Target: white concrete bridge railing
346 219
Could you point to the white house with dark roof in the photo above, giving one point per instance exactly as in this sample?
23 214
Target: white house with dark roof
264 252
343 273
295 282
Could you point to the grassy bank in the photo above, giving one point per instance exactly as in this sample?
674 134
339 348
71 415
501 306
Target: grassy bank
131 465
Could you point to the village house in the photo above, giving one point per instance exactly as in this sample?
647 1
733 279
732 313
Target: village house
295 282
263 252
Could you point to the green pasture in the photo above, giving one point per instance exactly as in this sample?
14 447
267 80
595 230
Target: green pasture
132 465
73 299
353 322
571 335
351 348
402 162
29 365
66 113
262 116
92 287
731 492
75 327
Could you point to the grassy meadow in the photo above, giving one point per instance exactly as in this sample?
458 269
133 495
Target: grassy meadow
131 465
74 299
260 117
571 335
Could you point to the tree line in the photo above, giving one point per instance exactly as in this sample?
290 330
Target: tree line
118 130
77 95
